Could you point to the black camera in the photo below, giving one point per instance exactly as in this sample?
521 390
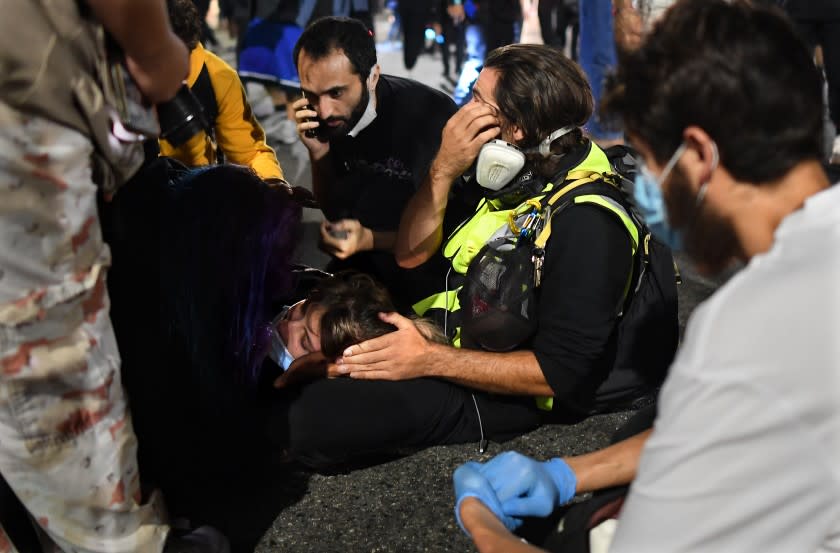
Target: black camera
182 117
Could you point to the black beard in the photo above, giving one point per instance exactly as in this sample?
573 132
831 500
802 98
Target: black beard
708 239
332 133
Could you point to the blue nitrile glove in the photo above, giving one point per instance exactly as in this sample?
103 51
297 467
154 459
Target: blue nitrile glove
469 482
529 488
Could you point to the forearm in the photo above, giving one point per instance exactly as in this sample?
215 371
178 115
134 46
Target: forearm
513 373
264 163
243 143
488 532
243 140
140 27
421 225
384 240
376 240
613 466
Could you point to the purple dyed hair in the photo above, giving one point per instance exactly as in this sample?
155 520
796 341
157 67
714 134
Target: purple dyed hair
227 243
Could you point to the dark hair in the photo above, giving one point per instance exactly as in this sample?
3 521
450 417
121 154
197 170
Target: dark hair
350 36
540 90
185 21
352 302
737 70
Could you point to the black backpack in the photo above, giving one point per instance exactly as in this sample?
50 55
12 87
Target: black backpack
648 328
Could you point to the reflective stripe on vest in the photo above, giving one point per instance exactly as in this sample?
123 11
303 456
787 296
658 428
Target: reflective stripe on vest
618 209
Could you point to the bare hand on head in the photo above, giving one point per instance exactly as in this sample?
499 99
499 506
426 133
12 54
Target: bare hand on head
398 355
306 119
345 237
465 133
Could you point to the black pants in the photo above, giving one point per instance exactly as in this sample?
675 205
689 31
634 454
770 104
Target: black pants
413 21
453 34
327 422
497 32
555 17
826 33
573 535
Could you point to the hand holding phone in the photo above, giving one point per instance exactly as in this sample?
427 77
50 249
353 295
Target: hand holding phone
311 133
307 118
345 237
338 234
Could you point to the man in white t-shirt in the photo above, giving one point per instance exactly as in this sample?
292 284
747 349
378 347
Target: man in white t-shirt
723 104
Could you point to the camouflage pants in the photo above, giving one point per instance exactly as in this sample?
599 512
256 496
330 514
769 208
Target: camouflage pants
67 447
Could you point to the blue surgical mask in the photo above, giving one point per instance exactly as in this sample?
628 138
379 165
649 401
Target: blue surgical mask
647 191
279 353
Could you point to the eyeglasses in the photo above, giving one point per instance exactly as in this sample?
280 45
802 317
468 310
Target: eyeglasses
284 313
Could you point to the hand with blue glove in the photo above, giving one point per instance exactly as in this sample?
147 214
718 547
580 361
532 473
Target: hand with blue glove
469 482
529 488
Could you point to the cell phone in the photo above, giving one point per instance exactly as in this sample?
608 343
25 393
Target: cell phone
311 133
338 234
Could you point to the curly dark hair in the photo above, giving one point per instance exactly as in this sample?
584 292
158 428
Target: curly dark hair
352 302
185 21
736 69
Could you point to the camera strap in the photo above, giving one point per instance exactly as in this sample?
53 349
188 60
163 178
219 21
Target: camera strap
203 90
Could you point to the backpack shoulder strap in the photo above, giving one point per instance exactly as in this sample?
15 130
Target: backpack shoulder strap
203 90
604 193
605 196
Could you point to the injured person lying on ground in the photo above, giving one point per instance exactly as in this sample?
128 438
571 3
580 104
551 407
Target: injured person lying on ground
341 310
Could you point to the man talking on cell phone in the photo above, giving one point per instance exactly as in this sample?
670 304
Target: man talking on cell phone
371 139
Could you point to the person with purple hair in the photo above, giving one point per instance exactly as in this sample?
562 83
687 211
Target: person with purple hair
202 256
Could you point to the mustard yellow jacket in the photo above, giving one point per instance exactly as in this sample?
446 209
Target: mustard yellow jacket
238 133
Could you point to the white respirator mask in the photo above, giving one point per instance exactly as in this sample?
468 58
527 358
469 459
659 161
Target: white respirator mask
499 162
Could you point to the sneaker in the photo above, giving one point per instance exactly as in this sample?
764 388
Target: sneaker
204 539
278 127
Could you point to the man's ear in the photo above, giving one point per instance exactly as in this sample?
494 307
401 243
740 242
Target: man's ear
373 78
701 157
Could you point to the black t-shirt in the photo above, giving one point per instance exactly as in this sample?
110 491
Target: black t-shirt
378 171
588 261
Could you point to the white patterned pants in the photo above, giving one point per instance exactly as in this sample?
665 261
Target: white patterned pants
67 446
